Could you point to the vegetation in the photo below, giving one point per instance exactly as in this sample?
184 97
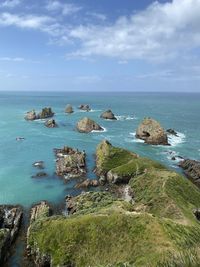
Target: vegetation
158 230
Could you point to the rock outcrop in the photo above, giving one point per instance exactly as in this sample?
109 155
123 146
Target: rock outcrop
38 212
70 163
51 123
84 107
10 222
31 115
44 114
38 164
69 109
108 115
172 132
87 125
191 169
151 132
88 183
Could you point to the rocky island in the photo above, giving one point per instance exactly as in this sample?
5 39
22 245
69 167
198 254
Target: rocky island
151 132
70 163
84 107
160 227
87 125
44 114
108 115
69 109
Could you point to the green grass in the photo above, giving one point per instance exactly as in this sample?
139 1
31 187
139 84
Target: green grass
158 230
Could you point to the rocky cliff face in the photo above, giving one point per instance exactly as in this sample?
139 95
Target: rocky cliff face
10 221
191 169
87 125
70 163
151 132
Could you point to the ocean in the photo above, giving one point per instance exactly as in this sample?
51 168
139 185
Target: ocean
180 111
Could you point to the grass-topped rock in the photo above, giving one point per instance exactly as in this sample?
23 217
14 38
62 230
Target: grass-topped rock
159 229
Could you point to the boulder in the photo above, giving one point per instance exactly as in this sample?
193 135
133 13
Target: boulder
108 115
38 164
85 107
172 132
30 115
87 125
50 123
69 109
70 163
10 222
87 183
46 113
151 132
191 169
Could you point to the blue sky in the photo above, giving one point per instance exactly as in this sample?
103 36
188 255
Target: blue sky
100 45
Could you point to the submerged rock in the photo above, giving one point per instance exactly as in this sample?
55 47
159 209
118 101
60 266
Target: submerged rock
10 222
151 132
87 125
69 109
88 183
70 162
38 164
191 169
85 107
31 115
40 175
108 115
172 132
51 123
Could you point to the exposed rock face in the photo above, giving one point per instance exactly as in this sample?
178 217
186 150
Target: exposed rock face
70 163
85 107
69 109
151 132
191 169
10 221
87 125
88 183
38 212
108 115
30 115
46 113
51 123
172 132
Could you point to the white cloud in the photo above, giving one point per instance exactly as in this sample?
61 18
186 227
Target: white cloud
66 9
160 32
15 59
10 3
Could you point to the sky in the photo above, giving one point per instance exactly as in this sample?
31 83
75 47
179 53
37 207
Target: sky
100 45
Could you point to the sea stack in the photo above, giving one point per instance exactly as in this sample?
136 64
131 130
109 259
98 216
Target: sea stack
44 114
30 115
87 125
69 109
85 107
51 123
108 115
151 132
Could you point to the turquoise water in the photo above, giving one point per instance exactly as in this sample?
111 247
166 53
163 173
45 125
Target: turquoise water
173 110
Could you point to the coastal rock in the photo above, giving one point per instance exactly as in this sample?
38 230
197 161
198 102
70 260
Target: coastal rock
46 113
69 109
85 107
38 212
40 175
51 123
108 115
30 115
87 125
88 183
10 222
70 162
172 132
191 169
151 132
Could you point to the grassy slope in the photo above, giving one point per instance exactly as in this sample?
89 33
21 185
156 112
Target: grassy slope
158 230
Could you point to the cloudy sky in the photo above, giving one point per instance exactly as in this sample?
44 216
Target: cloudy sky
100 45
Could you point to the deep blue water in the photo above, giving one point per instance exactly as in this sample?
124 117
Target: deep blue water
173 110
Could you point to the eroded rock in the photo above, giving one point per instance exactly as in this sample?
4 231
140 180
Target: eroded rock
108 115
87 125
88 183
191 169
51 123
85 107
69 109
151 132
